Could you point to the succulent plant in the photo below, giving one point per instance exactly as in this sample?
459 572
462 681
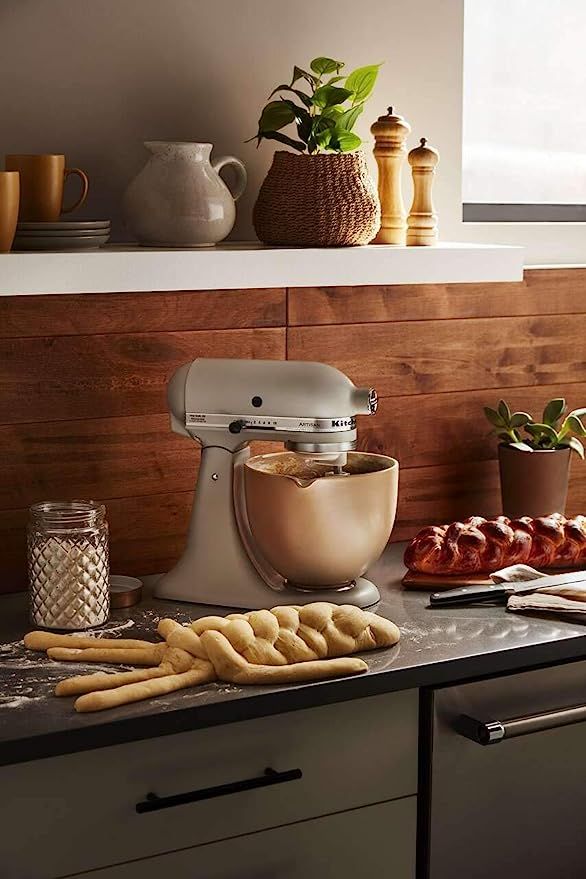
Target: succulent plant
325 113
556 430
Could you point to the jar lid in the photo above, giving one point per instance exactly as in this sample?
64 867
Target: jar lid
124 591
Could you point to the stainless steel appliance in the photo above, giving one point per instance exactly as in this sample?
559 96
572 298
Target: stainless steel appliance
507 777
270 530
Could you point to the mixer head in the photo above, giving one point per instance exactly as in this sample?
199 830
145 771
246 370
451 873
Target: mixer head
311 407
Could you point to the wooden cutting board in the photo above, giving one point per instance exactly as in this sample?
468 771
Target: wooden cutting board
437 582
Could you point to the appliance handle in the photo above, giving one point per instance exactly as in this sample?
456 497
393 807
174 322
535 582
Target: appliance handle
494 731
152 802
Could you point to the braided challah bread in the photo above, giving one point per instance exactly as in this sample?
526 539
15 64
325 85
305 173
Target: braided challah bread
485 545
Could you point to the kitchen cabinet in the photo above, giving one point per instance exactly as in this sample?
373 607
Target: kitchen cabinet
83 807
372 841
513 806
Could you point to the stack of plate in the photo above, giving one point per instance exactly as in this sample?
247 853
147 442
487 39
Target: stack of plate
62 235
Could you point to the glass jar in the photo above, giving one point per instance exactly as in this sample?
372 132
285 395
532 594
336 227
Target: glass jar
68 570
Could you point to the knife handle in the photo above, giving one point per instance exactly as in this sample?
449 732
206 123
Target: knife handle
470 594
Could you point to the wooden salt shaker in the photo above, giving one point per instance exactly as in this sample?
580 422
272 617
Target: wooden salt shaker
390 133
422 221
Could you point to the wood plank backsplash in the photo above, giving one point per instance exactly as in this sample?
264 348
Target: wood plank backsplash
83 378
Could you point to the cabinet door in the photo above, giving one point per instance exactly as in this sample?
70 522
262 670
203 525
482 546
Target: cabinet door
376 841
513 807
81 810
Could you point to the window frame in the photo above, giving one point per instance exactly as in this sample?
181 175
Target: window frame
495 212
510 213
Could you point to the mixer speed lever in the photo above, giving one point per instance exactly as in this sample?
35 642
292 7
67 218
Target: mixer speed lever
237 426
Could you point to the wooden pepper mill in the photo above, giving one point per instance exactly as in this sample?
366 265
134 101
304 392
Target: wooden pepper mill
390 133
422 221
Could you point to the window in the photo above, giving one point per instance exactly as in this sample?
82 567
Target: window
524 123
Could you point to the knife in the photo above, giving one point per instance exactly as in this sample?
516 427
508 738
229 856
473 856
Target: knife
501 591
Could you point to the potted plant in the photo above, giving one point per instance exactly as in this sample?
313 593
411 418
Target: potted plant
534 465
322 193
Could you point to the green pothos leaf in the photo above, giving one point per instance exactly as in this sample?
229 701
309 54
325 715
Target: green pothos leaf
322 138
299 73
305 99
328 95
276 115
283 138
321 66
344 141
300 113
348 119
361 81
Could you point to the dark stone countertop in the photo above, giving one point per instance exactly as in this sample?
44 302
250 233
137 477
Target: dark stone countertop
438 646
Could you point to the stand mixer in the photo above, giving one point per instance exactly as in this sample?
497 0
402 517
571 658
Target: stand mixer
312 408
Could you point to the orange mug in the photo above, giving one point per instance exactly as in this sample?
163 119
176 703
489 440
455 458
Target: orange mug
42 179
9 189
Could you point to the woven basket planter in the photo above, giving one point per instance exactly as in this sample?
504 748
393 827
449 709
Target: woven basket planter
324 200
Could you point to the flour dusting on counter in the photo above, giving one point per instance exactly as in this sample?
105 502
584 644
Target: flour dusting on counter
107 629
26 672
17 701
7 649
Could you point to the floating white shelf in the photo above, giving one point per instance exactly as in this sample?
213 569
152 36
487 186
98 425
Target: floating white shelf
248 265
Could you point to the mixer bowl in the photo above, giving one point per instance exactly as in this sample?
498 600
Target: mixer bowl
321 532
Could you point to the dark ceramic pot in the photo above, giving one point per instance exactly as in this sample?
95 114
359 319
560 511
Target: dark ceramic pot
533 483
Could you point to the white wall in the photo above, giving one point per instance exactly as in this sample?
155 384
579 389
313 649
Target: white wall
94 78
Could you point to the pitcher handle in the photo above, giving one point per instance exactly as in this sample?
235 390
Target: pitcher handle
241 175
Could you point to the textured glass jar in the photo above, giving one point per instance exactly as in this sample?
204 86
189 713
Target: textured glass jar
68 564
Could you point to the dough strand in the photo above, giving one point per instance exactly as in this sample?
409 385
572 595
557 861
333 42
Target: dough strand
146 690
44 640
150 654
104 681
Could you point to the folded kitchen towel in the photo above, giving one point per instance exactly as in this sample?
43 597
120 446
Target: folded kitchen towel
567 598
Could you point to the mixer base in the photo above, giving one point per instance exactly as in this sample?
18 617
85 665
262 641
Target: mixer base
362 594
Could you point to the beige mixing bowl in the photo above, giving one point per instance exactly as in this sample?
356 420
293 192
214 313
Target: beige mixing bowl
321 532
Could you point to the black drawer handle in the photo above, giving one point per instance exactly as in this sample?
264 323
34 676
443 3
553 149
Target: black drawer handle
153 803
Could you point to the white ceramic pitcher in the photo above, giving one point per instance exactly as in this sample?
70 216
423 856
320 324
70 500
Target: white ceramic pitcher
179 198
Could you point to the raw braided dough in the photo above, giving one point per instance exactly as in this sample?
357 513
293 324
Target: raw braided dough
485 545
283 645
288 634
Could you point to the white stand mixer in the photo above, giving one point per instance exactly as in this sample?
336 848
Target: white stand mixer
225 405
